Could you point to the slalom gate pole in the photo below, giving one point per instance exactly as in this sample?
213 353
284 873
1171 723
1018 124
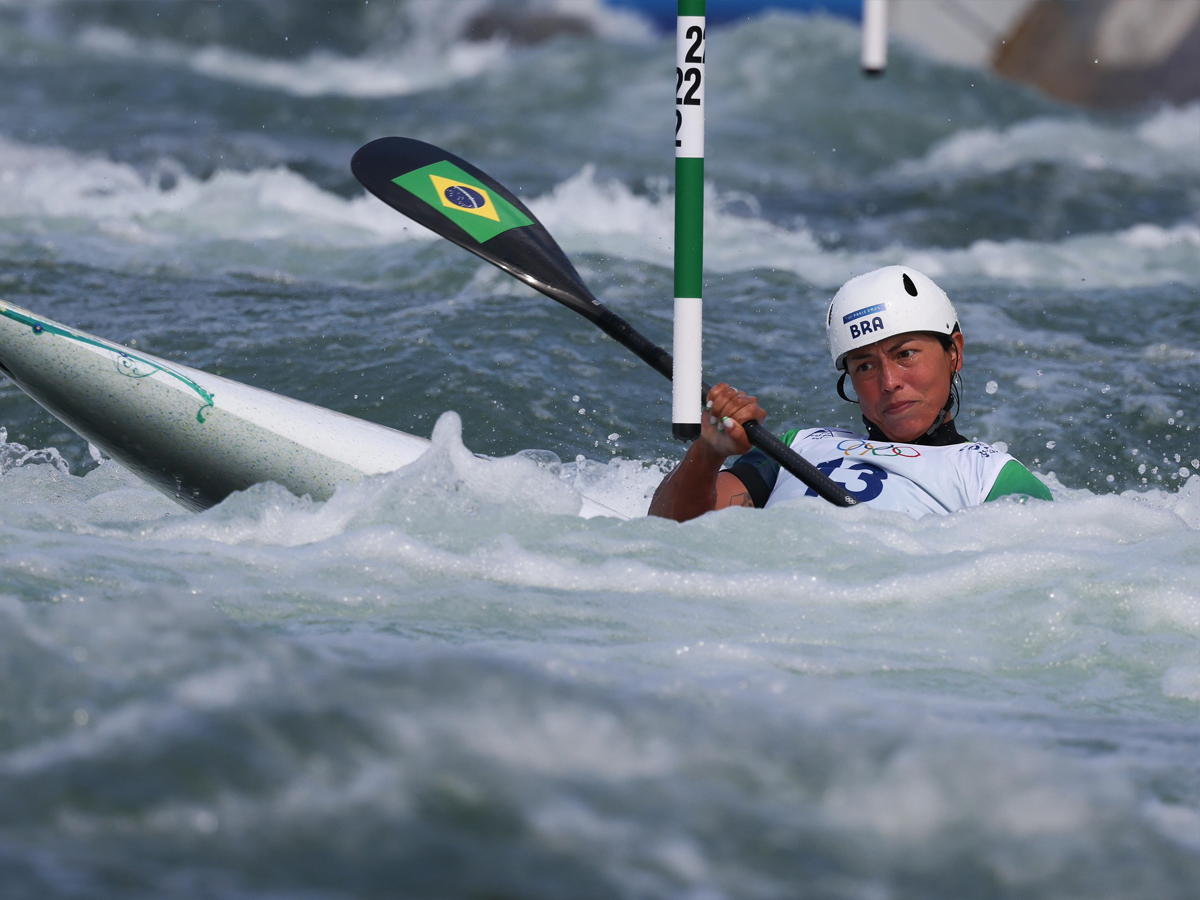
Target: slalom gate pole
686 396
874 37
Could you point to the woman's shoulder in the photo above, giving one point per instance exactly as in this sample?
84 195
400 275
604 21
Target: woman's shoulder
1005 473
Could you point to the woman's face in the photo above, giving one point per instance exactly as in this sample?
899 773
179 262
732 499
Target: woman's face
903 382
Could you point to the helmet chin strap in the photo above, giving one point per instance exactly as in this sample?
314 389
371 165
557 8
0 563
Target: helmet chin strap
841 388
956 375
941 416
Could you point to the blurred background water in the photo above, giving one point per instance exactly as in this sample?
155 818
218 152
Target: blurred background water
440 683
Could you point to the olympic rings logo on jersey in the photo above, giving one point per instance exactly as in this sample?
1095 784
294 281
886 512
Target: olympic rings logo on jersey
906 451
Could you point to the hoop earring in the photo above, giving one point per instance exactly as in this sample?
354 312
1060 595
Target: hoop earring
841 389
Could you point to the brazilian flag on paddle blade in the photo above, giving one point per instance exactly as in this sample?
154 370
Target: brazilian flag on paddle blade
464 204
463 200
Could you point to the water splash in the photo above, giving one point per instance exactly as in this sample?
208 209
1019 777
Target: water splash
15 455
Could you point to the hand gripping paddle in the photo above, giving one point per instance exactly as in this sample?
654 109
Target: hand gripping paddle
452 198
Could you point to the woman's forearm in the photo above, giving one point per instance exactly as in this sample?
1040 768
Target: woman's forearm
691 488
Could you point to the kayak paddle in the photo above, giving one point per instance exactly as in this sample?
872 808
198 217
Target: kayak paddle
463 204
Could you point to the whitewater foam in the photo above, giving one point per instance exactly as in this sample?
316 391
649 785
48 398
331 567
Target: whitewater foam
380 74
608 218
169 206
430 54
405 517
585 214
1164 143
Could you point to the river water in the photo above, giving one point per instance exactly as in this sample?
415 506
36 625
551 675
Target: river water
441 683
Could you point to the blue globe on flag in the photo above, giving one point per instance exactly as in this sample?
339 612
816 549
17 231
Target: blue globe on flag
464 197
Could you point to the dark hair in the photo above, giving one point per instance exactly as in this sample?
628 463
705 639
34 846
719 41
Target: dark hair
946 339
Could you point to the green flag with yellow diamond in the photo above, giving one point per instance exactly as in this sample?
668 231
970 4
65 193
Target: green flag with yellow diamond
463 200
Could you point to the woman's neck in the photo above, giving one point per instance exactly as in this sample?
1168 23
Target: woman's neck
941 436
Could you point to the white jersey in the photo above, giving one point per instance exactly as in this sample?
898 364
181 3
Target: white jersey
912 478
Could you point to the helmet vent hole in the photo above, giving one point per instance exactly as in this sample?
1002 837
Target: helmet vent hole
909 286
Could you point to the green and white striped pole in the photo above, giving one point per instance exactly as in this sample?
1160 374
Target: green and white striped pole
685 407
689 219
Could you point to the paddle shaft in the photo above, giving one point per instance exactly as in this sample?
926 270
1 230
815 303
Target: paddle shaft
758 434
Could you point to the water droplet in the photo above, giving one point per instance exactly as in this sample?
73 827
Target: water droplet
614 437
81 717
1050 445
575 398
992 387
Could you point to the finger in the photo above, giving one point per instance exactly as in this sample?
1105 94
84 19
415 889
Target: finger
725 401
738 403
743 409
737 434
720 403
710 419
716 392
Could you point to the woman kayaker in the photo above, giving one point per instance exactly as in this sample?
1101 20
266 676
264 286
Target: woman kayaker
895 334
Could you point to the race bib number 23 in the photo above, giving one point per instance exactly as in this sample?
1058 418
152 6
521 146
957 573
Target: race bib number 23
872 478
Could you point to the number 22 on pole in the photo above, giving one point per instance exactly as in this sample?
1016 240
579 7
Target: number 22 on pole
689 219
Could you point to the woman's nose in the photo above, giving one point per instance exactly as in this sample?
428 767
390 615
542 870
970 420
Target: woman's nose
889 376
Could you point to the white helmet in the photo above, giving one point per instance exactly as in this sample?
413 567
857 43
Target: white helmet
889 301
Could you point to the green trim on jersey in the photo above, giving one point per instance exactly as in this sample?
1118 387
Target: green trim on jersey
1014 478
788 436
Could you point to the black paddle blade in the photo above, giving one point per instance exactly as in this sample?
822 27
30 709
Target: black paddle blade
453 198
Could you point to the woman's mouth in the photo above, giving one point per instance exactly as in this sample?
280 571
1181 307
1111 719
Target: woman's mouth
899 408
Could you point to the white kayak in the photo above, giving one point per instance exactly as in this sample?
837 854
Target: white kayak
196 437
